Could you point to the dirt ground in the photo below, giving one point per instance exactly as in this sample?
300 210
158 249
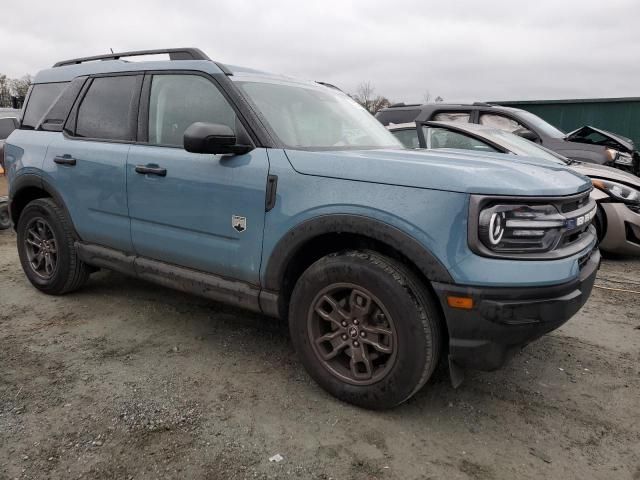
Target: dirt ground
125 379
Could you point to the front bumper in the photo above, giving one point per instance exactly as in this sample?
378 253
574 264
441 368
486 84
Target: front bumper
623 229
503 320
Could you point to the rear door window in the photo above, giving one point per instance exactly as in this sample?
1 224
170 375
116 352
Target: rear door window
41 98
107 109
500 121
458 117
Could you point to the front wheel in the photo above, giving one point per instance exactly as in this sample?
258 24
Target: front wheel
600 223
366 328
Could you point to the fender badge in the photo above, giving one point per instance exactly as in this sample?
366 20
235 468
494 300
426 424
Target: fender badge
238 223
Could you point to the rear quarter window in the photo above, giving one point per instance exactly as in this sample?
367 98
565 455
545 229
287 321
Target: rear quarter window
41 98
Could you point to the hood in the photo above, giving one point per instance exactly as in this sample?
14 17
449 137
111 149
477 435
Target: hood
611 139
451 171
606 173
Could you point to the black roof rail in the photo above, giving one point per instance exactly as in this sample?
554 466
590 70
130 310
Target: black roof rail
326 84
174 54
482 104
402 104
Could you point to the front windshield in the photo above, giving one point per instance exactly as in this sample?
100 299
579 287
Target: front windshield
540 124
522 146
309 117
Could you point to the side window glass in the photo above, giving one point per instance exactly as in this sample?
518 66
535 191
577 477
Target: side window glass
443 138
500 121
458 117
408 137
41 98
105 111
177 101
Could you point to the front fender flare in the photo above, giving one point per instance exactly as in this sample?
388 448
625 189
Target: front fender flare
289 245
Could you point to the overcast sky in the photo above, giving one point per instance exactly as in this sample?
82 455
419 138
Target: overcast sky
460 50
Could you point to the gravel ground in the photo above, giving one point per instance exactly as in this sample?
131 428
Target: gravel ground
125 379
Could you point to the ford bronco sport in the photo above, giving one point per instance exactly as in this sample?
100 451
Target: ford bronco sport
287 198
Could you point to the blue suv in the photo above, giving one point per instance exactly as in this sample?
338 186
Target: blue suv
285 197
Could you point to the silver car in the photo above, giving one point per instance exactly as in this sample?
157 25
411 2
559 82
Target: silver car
616 192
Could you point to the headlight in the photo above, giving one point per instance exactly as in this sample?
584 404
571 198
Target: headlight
623 159
527 228
618 191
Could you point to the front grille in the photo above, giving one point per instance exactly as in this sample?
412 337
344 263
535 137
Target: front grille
575 204
582 261
575 209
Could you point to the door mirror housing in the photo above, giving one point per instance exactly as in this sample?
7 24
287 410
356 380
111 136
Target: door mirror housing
526 133
202 137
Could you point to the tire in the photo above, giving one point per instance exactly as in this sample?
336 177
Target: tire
5 220
44 220
600 223
397 314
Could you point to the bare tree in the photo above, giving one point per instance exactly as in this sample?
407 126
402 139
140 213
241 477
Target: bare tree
20 86
5 91
13 91
426 96
365 95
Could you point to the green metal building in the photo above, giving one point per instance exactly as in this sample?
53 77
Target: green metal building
617 115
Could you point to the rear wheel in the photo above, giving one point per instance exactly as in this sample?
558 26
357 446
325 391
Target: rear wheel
365 328
46 248
5 221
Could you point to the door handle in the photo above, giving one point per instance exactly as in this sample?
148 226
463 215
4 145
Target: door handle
151 170
65 160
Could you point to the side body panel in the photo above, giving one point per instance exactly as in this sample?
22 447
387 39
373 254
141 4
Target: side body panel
185 218
577 151
24 153
94 189
436 219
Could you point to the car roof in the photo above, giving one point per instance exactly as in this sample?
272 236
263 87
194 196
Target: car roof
179 59
421 113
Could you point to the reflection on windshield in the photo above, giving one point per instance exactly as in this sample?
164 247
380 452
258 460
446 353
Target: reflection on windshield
541 125
522 146
317 117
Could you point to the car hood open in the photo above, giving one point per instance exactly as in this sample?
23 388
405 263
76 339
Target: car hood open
455 171
612 140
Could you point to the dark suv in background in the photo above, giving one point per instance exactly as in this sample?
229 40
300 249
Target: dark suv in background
586 144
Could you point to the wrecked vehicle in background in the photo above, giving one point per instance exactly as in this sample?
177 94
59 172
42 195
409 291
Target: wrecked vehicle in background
586 144
617 193
620 149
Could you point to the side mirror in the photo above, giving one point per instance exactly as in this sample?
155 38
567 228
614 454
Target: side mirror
526 133
214 138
